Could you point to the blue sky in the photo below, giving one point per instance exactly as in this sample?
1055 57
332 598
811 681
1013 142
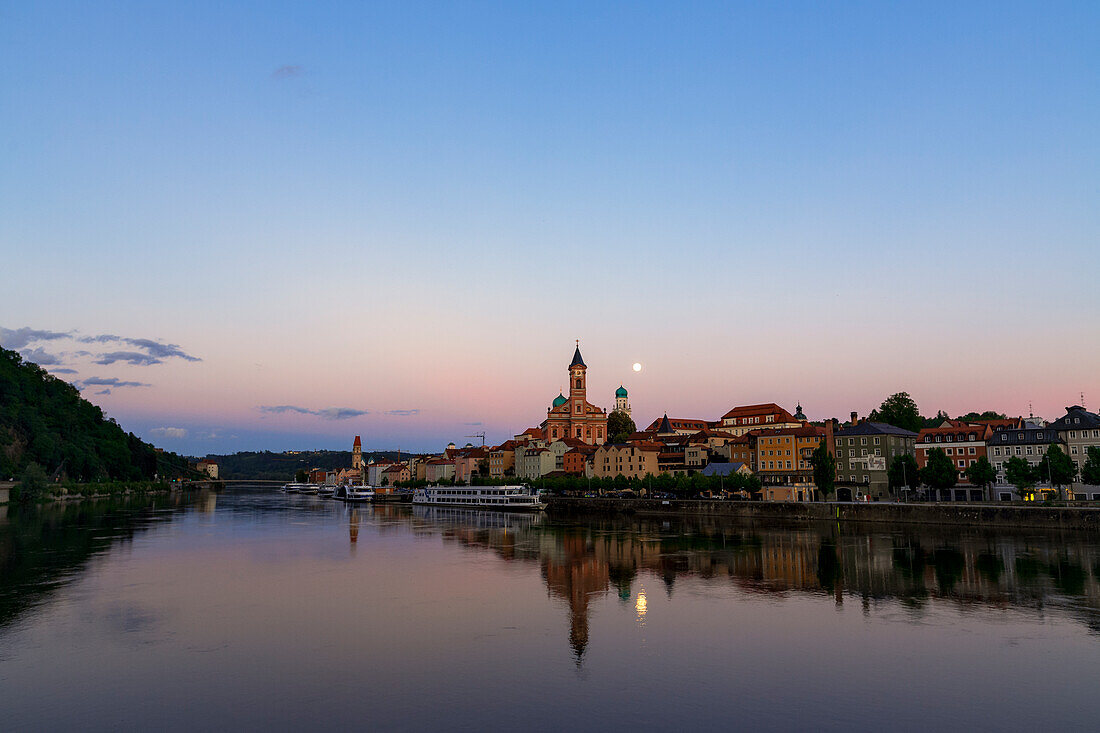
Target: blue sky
411 210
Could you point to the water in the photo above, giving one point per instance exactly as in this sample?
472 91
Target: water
256 610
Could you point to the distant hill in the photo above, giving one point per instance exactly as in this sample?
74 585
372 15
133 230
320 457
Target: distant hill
268 466
44 420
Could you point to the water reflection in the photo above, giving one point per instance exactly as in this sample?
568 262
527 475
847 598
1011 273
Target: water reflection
582 561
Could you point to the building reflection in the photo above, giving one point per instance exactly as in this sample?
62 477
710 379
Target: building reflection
584 563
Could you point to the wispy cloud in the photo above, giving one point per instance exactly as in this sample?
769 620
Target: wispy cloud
18 338
403 413
328 413
62 370
287 71
104 391
129 357
40 356
106 382
143 351
169 432
472 423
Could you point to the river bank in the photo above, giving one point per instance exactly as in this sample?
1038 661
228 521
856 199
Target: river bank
986 515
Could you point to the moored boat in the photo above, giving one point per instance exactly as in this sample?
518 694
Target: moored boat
502 498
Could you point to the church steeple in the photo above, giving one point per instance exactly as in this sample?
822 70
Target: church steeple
577 360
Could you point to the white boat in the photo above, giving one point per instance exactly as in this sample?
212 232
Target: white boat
326 490
307 488
507 498
355 493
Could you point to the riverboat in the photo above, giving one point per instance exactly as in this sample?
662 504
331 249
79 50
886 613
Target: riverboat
308 488
507 498
326 490
354 493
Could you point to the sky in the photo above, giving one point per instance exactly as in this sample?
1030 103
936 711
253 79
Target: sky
300 222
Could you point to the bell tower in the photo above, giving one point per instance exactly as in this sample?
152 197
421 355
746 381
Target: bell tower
577 382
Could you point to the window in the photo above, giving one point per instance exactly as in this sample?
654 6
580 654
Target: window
1029 450
878 451
1073 433
973 451
863 441
950 451
876 443
997 451
962 464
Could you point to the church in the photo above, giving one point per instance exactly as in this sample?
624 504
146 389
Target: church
574 416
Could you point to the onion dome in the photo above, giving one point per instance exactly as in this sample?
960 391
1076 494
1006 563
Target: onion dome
621 391
560 400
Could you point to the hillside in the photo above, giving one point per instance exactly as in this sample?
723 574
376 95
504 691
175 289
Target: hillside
44 420
270 466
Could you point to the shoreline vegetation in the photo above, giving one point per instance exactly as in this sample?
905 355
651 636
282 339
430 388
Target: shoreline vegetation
74 491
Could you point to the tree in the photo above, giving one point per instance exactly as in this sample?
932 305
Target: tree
903 473
300 476
483 467
939 472
981 472
824 465
936 420
900 411
1022 475
987 415
619 427
1090 472
33 484
1057 467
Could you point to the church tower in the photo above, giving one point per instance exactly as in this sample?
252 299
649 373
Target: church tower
357 454
621 404
577 383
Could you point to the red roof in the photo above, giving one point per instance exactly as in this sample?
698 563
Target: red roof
357 442
768 408
680 423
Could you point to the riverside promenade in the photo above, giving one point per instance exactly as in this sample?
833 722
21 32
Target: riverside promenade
984 515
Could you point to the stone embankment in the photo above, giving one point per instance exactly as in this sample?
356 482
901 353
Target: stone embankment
988 515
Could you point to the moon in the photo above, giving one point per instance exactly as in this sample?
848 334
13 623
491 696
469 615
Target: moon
637 367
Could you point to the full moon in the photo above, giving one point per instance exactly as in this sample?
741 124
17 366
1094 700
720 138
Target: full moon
637 367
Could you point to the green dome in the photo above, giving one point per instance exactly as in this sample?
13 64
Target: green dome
621 391
560 400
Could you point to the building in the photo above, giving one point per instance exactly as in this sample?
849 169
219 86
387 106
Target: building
676 426
469 462
964 443
633 460
357 454
210 468
741 420
577 461
395 474
863 454
438 469
1027 441
318 476
1079 430
782 458
502 459
574 416
621 403
726 469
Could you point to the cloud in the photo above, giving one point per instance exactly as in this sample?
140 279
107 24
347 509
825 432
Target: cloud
176 433
107 382
402 413
40 356
472 423
20 337
280 409
104 391
287 71
130 357
144 351
329 413
61 370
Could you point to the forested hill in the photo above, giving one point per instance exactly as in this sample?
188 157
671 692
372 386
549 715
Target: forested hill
270 466
44 420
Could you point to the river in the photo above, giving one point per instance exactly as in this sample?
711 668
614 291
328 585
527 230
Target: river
256 610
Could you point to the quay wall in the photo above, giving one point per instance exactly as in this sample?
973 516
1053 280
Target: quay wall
986 515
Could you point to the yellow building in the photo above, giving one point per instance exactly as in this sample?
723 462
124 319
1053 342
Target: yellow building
635 460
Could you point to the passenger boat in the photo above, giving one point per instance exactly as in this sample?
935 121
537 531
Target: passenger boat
355 493
326 490
308 488
507 498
